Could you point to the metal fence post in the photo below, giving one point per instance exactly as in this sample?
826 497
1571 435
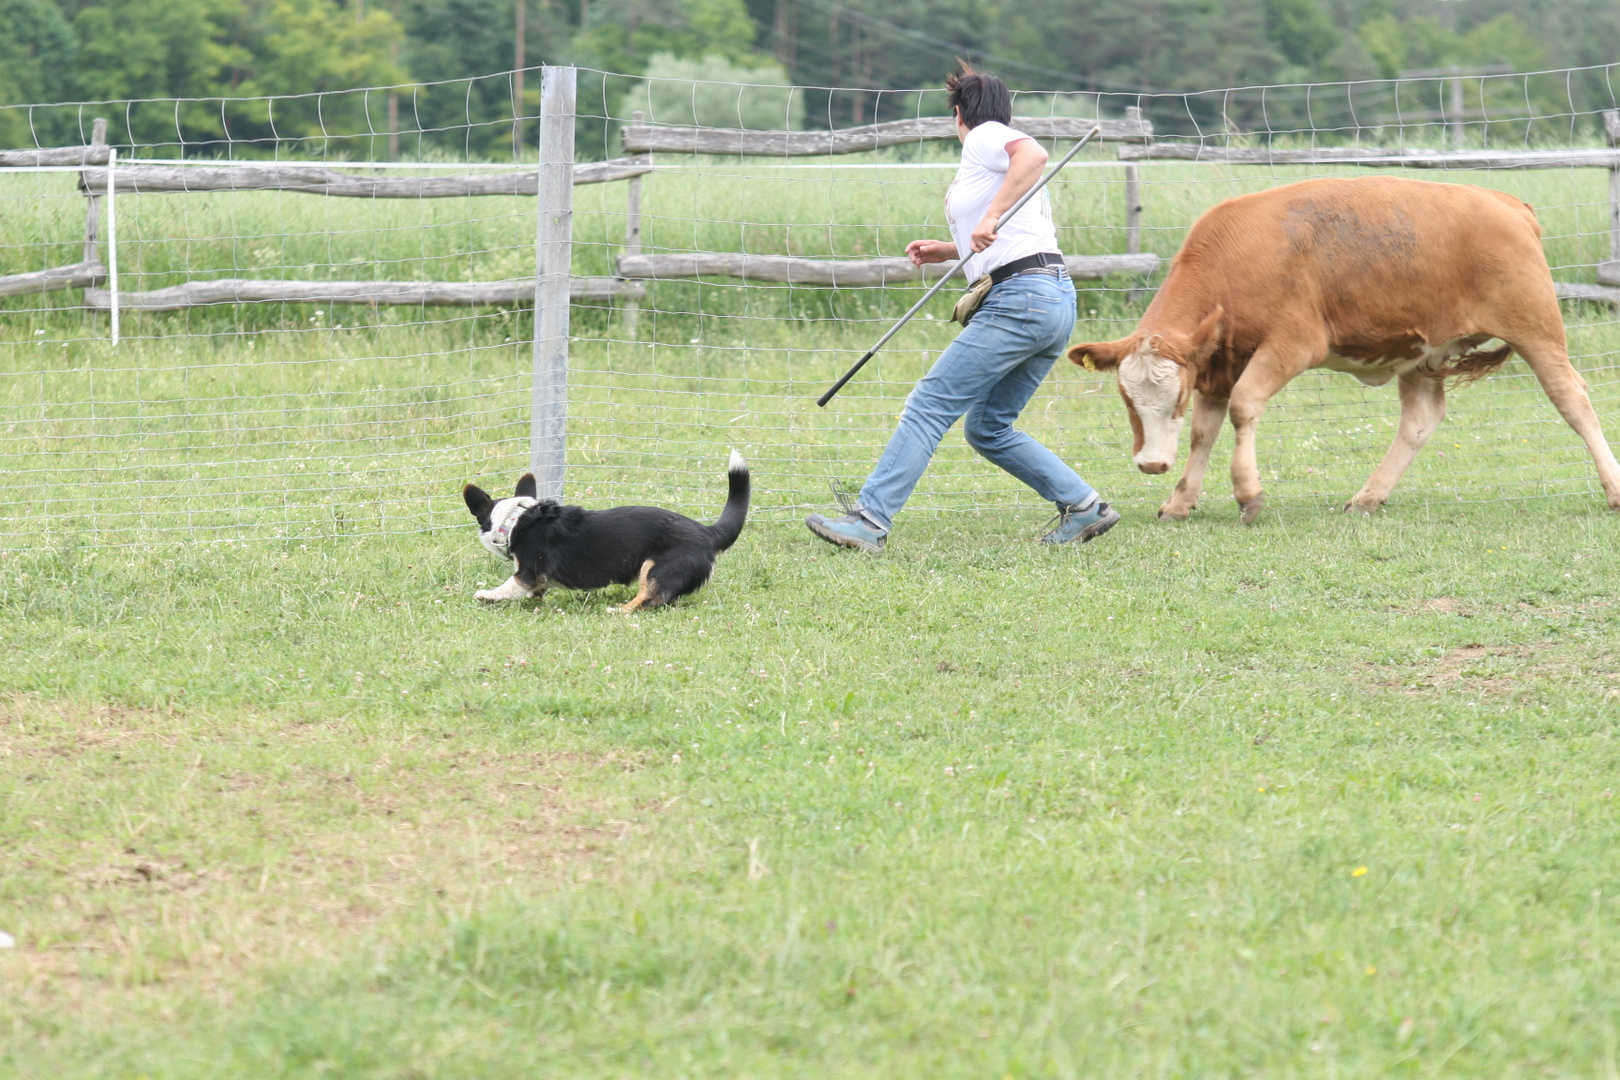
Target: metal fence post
553 250
1609 273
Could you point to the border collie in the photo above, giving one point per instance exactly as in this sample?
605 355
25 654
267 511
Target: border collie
575 548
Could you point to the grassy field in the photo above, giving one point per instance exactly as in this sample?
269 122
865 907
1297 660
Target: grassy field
1319 797
1323 796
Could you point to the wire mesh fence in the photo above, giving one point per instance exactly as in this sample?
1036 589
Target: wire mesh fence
333 348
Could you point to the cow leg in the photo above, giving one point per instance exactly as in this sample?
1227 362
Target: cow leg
1269 370
1208 413
1550 361
1423 406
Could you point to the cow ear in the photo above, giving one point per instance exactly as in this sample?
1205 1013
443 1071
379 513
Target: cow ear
478 501
1207 336
526 486
1100 355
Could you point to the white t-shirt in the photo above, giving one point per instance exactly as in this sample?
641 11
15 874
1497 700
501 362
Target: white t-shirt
983 170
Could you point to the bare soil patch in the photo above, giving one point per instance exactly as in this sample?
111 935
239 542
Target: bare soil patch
153 850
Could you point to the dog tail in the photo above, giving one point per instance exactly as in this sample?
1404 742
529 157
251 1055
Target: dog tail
730 525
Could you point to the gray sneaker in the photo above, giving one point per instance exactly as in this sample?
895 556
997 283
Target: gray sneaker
851 531
1082 525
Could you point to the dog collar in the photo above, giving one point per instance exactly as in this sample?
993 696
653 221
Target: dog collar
500 533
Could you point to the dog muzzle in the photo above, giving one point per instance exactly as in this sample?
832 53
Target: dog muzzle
500 530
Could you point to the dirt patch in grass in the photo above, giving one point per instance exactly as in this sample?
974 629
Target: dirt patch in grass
1495 670
1438 605
148 850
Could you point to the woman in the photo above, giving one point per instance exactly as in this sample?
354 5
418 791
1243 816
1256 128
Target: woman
993 367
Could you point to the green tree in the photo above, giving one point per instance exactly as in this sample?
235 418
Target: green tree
1301 31
134 50
713 92
624 35
37 51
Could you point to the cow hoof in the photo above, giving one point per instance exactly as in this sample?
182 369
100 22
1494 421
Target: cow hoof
1363 509
1168 514
1251 509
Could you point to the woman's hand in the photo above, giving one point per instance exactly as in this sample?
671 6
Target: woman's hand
923 252
984 233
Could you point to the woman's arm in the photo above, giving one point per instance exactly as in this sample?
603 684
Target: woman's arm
923 252
1025 160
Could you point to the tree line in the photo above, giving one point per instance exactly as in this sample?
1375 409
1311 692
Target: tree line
856 61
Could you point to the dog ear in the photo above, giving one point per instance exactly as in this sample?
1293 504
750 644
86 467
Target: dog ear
478 502
1102 355
526 486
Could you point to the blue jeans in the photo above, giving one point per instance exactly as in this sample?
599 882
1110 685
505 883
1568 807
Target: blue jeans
988 373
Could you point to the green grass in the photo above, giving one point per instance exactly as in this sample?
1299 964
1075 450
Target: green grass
970 808
295 805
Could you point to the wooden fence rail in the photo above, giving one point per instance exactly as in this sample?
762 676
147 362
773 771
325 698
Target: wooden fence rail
320 180
95 154
646 138
841 272
408 293
78 276
1372 157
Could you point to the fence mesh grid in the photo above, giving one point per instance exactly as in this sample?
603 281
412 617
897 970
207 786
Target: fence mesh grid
281 419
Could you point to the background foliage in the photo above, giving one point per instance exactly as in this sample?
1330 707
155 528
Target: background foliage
876 53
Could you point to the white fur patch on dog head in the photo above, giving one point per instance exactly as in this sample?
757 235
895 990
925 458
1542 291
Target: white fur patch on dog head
502 519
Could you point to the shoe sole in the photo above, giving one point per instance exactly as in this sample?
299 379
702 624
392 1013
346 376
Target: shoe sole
1090 532
844 541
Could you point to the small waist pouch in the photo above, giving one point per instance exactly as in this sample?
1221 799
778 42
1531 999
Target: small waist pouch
969 303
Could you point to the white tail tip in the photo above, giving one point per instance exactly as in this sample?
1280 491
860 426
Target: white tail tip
737 464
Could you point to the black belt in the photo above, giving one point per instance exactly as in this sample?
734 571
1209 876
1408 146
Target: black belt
1023 266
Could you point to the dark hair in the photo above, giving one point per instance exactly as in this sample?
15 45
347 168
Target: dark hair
982 98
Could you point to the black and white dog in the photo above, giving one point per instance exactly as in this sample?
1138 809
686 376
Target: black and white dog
671 555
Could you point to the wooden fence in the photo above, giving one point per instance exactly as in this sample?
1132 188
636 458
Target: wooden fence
634 268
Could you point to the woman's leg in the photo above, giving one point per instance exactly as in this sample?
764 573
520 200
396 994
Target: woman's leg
989 423
997 341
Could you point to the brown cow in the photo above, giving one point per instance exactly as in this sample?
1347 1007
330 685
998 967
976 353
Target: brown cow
1380 277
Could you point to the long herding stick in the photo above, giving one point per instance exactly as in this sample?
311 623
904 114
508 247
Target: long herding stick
929 295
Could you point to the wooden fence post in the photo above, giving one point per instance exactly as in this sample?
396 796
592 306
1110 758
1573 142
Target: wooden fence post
1133 197
632 237
553 250
92 220
1609 272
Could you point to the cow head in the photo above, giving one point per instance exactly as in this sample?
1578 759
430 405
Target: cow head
1157 373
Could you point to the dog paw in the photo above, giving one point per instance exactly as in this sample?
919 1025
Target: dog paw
486 595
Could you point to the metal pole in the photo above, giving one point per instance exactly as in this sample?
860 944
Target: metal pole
112 238
520 54
553 249
632 236
1000 224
